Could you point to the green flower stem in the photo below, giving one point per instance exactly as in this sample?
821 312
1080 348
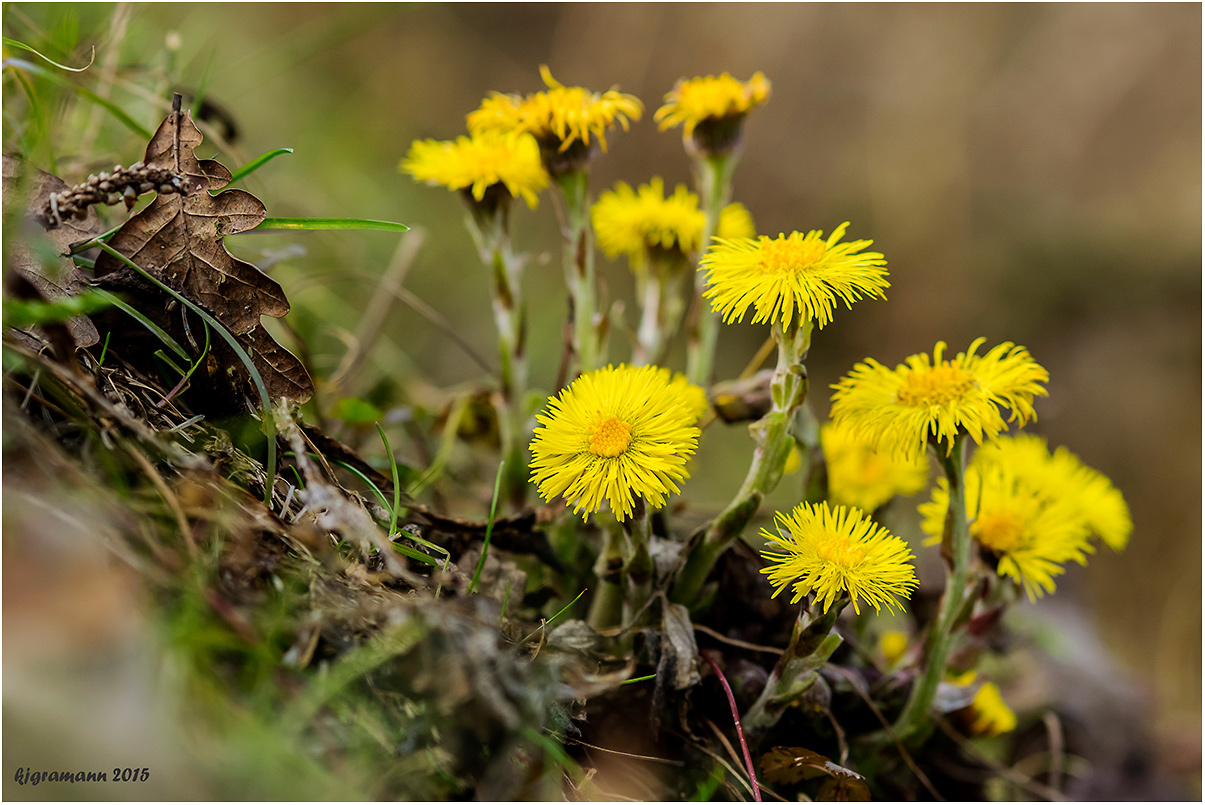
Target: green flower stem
579 266
662 309
489 226
915 721
606 608
638 562
772 445
813 641
715 188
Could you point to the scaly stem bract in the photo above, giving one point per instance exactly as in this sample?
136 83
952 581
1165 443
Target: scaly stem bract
715 187
489 225
813 641
772 445
915 720
579 266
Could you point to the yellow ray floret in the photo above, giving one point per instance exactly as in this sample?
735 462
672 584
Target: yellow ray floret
696 100
899 410
835 551
566 114
791 277
616 434
478 162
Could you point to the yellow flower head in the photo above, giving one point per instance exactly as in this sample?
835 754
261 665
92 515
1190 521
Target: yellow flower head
1030 535
859 476
893 644
735 222
560 113
778 276
899 410
990 715
710 98
616 433
631 222
1063 477
480 162
831 551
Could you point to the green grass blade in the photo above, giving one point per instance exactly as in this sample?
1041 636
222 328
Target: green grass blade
397 485
257 163
489 529
13 43
290 224
269 422
83 92
155 329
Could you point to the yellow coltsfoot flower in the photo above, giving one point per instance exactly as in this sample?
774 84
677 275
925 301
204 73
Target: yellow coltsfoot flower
478 163
1030 535
715 105
559 117
835 551
632 222
736 222
1061 476
791 277
616 434
859 475
900 410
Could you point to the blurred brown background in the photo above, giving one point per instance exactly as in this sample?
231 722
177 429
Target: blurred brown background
1031 171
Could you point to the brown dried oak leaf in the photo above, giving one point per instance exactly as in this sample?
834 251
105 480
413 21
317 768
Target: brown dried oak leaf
178 239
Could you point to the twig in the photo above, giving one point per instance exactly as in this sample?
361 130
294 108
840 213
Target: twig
1054 733
734 642
736 717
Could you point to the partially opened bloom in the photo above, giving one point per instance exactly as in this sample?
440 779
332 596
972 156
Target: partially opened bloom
632 222
791 277
989 714
859 475
711 102
1063 477
558 116
836 551
617 434
900 410
1029 534
477 163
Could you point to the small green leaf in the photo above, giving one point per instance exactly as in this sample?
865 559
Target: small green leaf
13 43
257 163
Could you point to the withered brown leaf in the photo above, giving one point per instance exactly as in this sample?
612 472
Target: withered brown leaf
178 239
791 764
67 280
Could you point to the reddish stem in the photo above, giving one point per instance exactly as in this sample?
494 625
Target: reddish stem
736 717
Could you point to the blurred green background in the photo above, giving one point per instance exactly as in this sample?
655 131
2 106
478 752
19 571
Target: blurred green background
1031 171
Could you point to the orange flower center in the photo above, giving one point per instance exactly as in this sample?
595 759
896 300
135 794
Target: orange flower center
610 437
839 551
792 254
999 531
940 385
